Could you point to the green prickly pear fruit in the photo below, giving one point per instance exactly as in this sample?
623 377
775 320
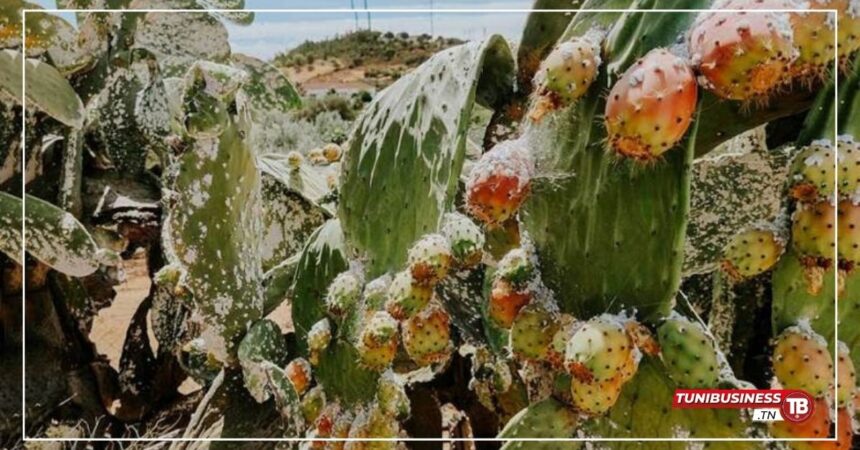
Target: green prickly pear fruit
533 331
376 292
815 40
343 294
567 326
298 371
801 361
319 338
599 350
312 403
566 74
372 423
812 174
427 335
846 381
651 106
406 296
377 342
506 302
332 152
430 259
517 267
391 397
499 182
295 160
596 397
689 353
465 238
741 55
751 252
848 222
849 167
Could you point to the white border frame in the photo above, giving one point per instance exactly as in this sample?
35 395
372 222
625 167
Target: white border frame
25 438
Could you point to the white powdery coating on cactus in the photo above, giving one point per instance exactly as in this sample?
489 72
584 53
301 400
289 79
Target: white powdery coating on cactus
378 285
319 335
804 328
347 285
456 226
509 159
381 324
428 247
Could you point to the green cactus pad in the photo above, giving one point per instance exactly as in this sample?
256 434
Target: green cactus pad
11 213
416 129
204 37
262 343
267 88
541 32
546 419
288 221
689 353
47 90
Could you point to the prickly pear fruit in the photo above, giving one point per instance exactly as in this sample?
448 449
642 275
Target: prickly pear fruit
376 292
846 382
341 427
599 350
801 361
298 371
751 252
532 332
815 39
319 337
312 403
372 423
332 152
505 303
812 174
595 397
499 182
391 397
812 230
324 424
567 325
816 426
651 106
642 338
343 294
427 335
849 167
406 297
430 259
517 267
689 353
848 222
377 342
848 17
742 54
465 238
295 160
565 75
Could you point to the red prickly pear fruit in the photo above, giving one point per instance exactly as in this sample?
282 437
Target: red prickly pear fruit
802 361
600 350
812 177
427 336
849 167
406 296
430 259
751 252
816 426
298 371
565 75
499 182
848 222
532 332
742 55
567 325
505 303
846 378
343 294
377 341
651 106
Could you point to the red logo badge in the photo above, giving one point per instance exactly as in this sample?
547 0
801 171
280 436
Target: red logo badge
797 406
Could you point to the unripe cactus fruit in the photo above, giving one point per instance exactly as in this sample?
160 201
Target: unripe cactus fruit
815 40
298 371
505 303
499 182
812 172
406 297
332 152
532 332
751 252
595 397
376 292
846 378
377 342
343 294
567 325
801 361
372 423
295 160
651 106
849 234
312 403
599 350
427 335
319 338
430 259
742 54
565 75
689 353
391 397
517 267
465 239
849 167
812 233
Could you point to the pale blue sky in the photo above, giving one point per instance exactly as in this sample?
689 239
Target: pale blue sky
274 32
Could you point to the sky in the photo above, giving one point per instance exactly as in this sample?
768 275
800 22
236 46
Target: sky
271 32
